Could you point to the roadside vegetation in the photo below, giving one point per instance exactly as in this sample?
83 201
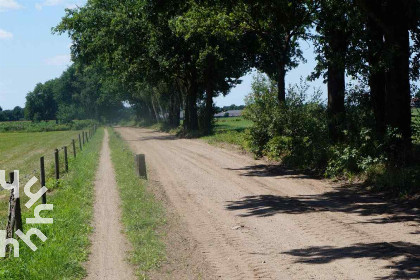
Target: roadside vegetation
297 134
62 255
142 214
44 126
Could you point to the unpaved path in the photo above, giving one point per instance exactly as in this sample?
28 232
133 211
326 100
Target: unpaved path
109 247
252 220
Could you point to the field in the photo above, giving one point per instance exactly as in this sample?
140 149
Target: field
229 130
21 151
62 254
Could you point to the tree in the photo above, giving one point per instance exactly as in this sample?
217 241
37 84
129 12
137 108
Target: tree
221 60
40 103
388 24
335 24
273 29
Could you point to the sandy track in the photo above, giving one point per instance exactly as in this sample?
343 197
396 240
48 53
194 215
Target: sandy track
109 247
255 221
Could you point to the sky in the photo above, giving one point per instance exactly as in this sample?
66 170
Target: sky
31 54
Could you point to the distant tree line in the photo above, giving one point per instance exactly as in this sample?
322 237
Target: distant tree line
17 114
79 93
228 108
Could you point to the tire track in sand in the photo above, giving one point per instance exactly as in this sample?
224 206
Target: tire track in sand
109 246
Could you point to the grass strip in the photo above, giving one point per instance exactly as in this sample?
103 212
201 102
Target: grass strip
142 213
62 255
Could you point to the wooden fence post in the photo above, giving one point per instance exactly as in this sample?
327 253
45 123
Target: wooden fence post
87 138
74 147
18 211
57 165
80 142
140 160
83 134
66 162
44 196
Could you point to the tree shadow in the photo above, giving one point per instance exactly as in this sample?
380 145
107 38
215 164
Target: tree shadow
273 170
153 137
406 268
342 199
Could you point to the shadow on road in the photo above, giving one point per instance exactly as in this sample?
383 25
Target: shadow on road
271 170
407 266
348 199
343 199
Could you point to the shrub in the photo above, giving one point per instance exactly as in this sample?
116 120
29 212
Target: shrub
294 132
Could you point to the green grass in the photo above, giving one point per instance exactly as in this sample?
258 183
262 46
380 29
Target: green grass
28 126
229 130
142 214
21 151
62 255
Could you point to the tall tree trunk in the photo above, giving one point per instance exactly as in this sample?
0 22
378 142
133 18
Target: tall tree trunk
398 111
209 111
155 111
208 122
336 82
191 116
281 82
376 70
174 109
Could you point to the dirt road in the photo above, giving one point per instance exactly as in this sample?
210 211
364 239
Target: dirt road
252 220
109 246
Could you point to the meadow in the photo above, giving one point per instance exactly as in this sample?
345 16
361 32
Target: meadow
22 151
66 248
229 130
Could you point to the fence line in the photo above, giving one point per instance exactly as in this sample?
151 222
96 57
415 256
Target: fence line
14 221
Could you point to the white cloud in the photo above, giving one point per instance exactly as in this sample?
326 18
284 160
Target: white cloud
48 3
4 35
6 5
69 4
59 60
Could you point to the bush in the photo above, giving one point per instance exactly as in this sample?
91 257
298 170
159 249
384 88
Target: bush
294 132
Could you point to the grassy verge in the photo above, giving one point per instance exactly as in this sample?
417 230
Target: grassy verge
142 214
61 256
43 126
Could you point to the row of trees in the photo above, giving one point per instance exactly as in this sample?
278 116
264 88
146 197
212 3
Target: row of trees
79 93
172 54
11 115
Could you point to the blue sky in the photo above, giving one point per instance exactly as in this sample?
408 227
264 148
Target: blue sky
30 54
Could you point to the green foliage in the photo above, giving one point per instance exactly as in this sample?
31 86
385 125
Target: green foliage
403 181
295 131
17 114
43 126
416 125
355 157
142 214
79 93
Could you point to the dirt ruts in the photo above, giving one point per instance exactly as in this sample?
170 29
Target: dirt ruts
252 220
109 246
